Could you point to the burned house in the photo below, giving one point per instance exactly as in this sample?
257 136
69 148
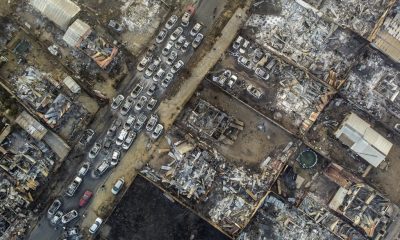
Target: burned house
278 219
25 162
366 208
296 31
213 123
42 93
80 35
373 85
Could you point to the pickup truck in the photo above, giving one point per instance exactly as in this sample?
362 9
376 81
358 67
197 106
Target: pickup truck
73 186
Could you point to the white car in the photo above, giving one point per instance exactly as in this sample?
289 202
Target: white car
69 216
161 35
143 63
197 40
186 19
95 226
137 90
118 186
129 122
167 48
102 168
115 157
172 58
185 46
171 22
152 89
127 105
117 101
129 140
237 42
262 73
157 131
177 66
84 169
159 75
140 104
167 80
121 137
244 62
232 80
151 104
140 121
196 29
179 43
152 122
175 34
255 92
94 150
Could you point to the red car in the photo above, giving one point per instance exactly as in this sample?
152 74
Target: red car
85 198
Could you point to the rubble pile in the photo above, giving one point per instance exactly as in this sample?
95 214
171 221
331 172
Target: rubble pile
301 35
358 15
300 97
316 210
192 176
277 218
14 215
367 209
232 213
373 84
138 16
27 160
213 123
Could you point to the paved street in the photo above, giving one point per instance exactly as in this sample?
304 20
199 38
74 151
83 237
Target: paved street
101 185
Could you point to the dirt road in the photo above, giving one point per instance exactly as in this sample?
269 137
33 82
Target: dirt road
140 153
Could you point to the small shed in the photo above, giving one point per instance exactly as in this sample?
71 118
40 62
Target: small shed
71 85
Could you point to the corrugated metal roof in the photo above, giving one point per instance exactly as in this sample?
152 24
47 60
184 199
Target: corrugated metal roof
76 33
71 84
61 12
362 139
29 124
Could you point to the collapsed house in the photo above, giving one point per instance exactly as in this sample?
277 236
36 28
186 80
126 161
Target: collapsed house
373 85
80 35
363 140
25 162
223 193
363 206
303 36
213 123
359 16
61 12
276 219
42 92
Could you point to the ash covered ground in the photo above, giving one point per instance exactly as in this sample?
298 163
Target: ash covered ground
146 214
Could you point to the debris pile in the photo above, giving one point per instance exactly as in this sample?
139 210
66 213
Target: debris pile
277 218
360 16
304 37
373 85
213 123
316 210
138 16
216 188
232 213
